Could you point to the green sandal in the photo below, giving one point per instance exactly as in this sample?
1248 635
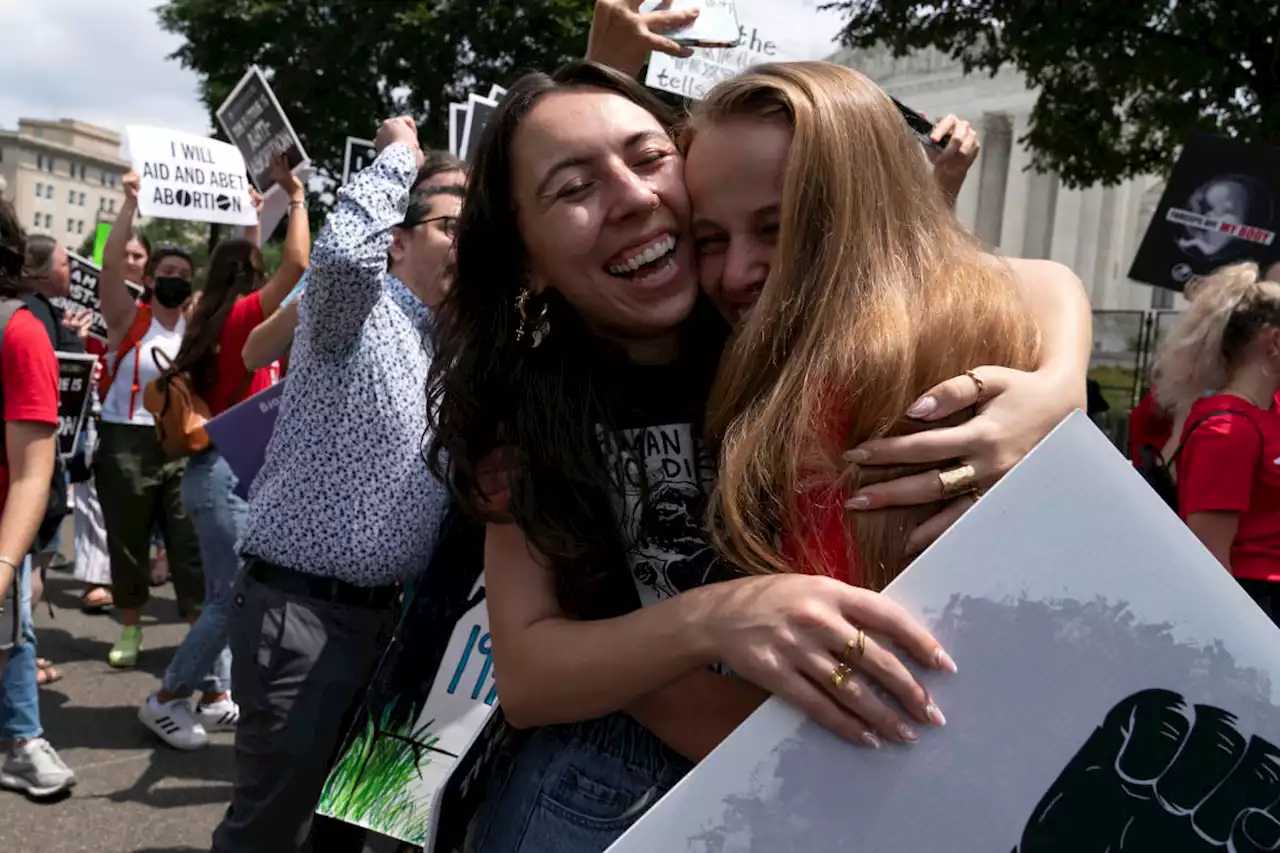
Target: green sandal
125 653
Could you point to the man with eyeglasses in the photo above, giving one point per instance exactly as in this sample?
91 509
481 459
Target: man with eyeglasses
344 509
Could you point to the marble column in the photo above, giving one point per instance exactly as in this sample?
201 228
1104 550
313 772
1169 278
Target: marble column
1042 203
1104 264
1017 194
993 180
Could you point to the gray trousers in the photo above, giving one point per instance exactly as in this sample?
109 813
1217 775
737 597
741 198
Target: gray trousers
299 670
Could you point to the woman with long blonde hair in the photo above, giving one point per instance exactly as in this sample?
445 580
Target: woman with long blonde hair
875 294
1228 479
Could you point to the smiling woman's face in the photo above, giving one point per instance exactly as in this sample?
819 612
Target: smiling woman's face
604 214
735 171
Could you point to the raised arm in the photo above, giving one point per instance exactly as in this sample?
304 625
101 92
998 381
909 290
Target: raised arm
118 306
350 256
271 339
297 240
622 36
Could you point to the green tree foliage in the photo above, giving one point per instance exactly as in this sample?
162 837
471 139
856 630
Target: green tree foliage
1121 82
339 67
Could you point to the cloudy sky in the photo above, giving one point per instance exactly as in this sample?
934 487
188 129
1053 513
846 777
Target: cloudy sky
101 61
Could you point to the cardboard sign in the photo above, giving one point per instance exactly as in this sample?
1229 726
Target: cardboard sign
1221 205
768 31
185 176
416 762
85 275
75 376
468 121
359 154
253 120
479 110
242 432
1117 690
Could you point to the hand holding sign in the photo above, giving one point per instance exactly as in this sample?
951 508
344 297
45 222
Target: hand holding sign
284 177
403 130
79 320
621 35
132 184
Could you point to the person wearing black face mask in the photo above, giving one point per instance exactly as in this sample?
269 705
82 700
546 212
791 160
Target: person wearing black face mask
171 291
139 486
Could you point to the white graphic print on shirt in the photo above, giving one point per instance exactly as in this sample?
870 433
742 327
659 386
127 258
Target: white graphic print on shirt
667 546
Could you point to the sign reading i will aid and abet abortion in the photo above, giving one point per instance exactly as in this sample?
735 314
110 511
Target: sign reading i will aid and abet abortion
768 31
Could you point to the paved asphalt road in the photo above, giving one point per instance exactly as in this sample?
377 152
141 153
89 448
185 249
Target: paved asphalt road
134 793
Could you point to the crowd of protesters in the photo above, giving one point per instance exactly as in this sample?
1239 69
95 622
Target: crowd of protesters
776 282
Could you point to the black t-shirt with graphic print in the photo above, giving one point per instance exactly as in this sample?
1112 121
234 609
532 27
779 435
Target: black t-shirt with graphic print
663 473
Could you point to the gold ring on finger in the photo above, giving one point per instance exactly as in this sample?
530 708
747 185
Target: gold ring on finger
858 644
840 674
957 481
977 380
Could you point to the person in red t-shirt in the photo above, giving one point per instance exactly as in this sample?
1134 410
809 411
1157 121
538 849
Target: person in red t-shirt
236 298
29 386
1229 466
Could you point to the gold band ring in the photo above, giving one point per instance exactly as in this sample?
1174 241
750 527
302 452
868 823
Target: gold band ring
977 380
840 674
957 481
858 644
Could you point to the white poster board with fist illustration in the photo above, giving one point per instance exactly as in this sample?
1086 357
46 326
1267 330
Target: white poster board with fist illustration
1117 690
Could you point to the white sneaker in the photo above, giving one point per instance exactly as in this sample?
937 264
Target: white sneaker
172 722
35 769
220 716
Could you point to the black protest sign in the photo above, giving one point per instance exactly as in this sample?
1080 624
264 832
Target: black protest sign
84 293
75 375
1221 206
253 120
359 154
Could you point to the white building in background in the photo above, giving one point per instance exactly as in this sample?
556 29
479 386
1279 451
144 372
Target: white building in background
1094 231
61 176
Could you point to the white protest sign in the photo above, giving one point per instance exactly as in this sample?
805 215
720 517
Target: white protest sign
768 30
185 176
1117 690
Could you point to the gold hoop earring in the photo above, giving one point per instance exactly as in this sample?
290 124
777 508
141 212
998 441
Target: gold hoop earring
536 328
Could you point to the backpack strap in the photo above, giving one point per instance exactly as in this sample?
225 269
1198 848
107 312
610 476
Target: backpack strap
132 340
1174 458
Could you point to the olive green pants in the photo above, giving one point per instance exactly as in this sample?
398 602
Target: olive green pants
140 489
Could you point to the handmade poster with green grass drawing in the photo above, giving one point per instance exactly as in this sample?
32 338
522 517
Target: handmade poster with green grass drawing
430 724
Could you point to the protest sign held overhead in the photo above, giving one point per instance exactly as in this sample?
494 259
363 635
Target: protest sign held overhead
768 31
1221 205
467 121
1111 677
185 176
359 154
84 293
75 374
253 120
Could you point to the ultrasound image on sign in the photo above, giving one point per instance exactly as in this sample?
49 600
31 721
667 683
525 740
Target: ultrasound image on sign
254 121
1220 207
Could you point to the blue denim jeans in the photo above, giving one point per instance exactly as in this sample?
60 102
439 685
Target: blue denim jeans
575 788
203 660
19 689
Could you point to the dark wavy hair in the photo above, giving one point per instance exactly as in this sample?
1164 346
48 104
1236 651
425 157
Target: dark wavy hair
487 390
13 250
236 269
39 260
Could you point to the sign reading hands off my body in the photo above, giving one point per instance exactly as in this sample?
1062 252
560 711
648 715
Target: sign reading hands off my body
768 31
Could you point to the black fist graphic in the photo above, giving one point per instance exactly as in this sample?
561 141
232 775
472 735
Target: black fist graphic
1159 776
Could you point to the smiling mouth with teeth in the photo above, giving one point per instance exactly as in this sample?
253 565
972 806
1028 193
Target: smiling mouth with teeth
652 261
